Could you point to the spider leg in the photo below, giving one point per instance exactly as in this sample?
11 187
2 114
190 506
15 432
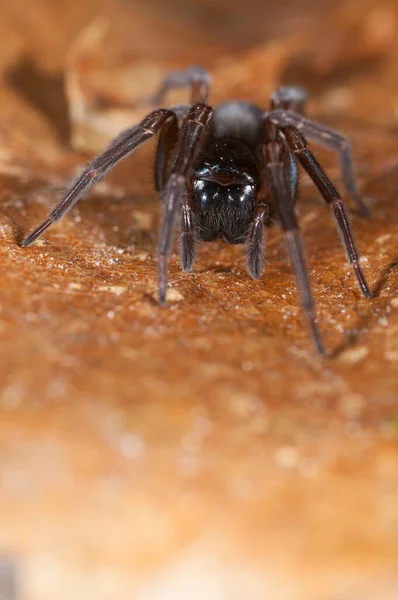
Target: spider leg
256 241
299 146
256 235
177 192
256 238
274 158
167 140
187 240
330 139
194 77
292 98
119 148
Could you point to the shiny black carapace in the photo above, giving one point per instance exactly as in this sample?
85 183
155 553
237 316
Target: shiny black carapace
228 172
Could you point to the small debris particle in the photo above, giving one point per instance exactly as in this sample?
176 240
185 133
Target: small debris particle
75 286
251 310
143 219
383 238
142 256
354 355
113 289
175 295
110 314
394 302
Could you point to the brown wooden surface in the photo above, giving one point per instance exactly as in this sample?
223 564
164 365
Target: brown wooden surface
201 451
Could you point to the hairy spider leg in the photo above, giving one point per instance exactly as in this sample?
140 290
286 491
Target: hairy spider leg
199 81
299 146
275 160
196 78
167 141
256 238
96 170
177 194
330 139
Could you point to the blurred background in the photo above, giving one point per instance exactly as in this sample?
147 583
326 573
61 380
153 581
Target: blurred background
67 66
201 452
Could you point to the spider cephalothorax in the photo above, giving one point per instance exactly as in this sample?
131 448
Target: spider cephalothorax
226 171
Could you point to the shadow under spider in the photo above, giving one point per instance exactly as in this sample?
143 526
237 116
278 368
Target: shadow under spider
365 321
386 272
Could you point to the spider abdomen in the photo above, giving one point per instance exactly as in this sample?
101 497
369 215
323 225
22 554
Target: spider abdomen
240 120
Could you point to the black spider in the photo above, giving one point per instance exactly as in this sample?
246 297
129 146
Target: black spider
228 171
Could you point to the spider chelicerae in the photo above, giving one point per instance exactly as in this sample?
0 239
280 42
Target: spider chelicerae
228 172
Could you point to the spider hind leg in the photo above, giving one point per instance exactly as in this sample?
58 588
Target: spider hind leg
196 78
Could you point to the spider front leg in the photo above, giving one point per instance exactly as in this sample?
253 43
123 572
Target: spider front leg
188 236
256 236
299 146
274 157
256 241
176 191
330 139
96 170
194 77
